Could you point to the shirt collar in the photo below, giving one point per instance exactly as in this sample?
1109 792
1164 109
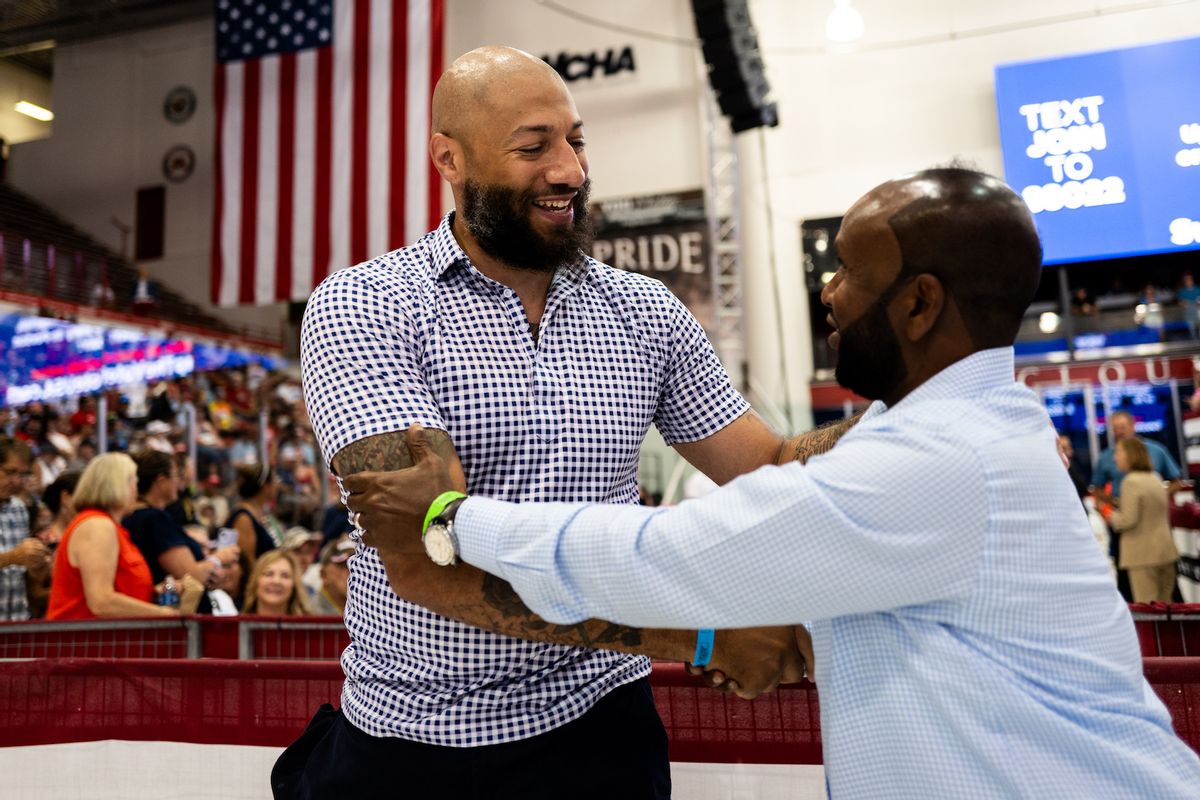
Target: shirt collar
446 253
967 377
444 249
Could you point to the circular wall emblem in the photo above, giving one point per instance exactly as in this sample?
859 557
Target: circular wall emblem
178 163
179 105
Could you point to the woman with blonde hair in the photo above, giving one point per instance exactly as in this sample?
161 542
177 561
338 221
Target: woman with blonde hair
98 571
1147 549
274 587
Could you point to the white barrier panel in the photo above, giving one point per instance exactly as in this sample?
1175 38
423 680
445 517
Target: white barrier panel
120 770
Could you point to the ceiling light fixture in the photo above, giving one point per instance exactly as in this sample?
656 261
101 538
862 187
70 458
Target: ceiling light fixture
31 110
844 24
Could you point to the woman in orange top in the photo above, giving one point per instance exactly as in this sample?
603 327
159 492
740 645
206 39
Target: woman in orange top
98 571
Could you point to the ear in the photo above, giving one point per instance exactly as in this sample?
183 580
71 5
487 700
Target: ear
926 300
448 158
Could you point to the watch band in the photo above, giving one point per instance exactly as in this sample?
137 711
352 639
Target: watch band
438 506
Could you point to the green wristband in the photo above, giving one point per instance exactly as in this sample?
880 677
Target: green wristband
438 506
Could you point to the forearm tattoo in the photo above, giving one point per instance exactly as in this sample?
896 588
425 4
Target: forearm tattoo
497 607
821 440
514 618
386 451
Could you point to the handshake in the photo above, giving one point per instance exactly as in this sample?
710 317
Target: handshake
751 661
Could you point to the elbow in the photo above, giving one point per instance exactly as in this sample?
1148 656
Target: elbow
101 605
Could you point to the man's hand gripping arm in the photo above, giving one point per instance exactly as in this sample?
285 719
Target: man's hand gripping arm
391 492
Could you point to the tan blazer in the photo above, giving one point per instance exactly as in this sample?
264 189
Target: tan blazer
1142 519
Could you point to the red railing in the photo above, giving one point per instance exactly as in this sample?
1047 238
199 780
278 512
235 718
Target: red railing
1163 630
258 680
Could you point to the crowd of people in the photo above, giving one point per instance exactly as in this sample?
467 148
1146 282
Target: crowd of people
1151 303
145 528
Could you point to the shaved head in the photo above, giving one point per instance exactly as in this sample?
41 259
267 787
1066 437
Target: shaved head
484 81
975 234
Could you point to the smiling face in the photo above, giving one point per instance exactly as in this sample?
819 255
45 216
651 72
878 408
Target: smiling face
524 195
275 586
509 140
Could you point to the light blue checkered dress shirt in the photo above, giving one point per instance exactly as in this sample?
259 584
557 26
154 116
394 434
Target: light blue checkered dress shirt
968 638
420 336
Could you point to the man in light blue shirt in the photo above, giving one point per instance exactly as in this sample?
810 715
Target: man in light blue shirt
968 639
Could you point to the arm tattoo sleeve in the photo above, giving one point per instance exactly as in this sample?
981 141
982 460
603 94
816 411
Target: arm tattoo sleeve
511 616
386 451
487 601
817 441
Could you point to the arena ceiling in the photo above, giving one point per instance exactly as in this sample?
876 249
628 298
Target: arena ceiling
30 29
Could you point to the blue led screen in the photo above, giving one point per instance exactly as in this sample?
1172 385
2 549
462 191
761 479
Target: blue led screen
1105 149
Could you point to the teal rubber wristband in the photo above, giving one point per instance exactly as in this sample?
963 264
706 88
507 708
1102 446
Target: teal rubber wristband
704 647
438 506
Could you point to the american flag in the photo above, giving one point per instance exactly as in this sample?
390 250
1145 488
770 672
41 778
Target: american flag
322 129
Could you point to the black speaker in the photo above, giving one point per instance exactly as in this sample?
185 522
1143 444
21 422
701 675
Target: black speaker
735 67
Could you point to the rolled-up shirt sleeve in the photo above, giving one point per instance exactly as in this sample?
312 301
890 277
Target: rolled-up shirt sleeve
887 519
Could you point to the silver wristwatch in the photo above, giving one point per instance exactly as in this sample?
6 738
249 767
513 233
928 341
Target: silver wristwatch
440 542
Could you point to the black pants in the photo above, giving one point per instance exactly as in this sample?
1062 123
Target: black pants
618 749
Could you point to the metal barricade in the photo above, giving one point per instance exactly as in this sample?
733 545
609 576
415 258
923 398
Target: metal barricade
124 638
704 725
292 638
1167 629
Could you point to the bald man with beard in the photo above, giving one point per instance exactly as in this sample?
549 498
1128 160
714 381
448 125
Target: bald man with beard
969 640
535 372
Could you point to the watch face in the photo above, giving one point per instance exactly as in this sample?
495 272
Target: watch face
439 545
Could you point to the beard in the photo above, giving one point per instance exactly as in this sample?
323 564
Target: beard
498 218
869 361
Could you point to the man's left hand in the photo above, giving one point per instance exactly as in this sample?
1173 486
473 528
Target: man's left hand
389 507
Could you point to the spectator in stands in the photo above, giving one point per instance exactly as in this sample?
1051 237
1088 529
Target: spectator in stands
242 450
162 541
232 586
57 497
1147 549
57 503
1067 451
49 464
18 551
335 575
256 486
303 544
145 293
211 506
85 451
157 433
1188 296
85 415
274 587
1083 302
98 571
165 403
183 508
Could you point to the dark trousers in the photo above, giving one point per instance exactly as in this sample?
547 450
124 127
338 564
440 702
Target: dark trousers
618 749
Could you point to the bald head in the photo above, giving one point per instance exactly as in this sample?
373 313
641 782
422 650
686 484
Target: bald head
973 233
484 81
